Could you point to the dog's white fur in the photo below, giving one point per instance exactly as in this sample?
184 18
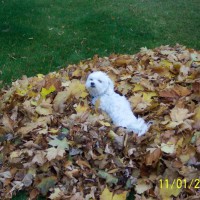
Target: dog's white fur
100 86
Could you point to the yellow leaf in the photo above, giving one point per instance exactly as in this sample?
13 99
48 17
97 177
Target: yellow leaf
40 76
121 196
21 92
32 94
44 92
147 96
180 142
77 73
104 123
77 89
166 63
15 154
167 190
34 103
112 135
106 195
97 104
83 94
168 148
53 131
81 108
138 87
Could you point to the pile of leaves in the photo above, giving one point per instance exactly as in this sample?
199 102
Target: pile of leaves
55 143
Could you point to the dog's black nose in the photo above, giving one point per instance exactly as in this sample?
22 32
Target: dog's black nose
92 84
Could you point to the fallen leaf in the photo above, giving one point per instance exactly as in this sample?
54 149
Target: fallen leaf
168 148
107 195
44 92
60 144
168 190
196 118
53 152
110 179
46 184
56 195
142 186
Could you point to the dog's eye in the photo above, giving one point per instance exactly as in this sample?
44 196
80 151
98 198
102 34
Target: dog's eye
100 81
91 79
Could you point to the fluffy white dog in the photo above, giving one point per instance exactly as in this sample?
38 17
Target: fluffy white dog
100 86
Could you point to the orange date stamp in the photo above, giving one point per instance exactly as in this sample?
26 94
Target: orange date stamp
179 183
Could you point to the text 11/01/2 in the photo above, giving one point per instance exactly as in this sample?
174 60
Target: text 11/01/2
179 183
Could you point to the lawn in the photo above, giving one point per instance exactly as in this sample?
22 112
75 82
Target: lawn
39 36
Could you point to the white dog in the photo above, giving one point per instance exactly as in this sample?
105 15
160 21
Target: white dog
100 86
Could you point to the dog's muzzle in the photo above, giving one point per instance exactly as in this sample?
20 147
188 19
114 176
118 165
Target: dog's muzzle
92 84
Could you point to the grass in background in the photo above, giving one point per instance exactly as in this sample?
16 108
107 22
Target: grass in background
39 36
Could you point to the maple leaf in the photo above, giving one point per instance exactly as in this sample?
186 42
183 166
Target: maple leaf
147 96
60 144
107 195
153 157
167 148
166 191
30 126
104 123
46 184
77 89
53 152
142 186
27 180
5 175
58 103
45 108
138 87
77 73
110 179
175 92
44 92
57 194
81 108
179 116
7 122
39 157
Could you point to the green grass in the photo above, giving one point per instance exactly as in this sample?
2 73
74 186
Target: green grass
39 36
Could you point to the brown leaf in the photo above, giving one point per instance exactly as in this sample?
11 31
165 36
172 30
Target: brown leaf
8 123
175 92
196 118
153 156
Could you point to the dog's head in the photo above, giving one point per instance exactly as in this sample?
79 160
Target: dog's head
99 83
